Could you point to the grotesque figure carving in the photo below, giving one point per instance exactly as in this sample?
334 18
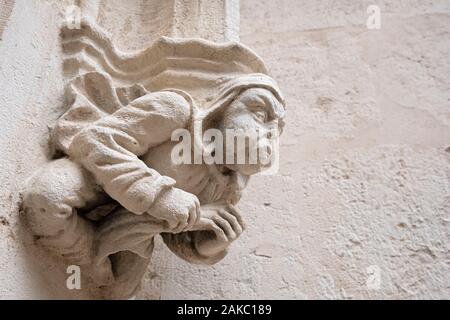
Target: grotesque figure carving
115 185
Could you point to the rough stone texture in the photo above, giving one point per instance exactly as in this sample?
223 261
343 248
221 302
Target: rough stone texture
31 95
135 23
364 178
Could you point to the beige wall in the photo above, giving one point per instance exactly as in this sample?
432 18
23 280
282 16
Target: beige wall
364 178
365 160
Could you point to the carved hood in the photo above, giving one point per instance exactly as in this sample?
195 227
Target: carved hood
102 78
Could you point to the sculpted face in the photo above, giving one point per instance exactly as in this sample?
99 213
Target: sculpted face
256 112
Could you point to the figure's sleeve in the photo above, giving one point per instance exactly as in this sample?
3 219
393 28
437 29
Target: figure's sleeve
109 148
184 246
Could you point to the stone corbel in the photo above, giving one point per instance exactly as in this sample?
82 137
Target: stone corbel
114 184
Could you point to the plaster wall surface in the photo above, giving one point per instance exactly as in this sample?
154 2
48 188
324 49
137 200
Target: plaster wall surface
364 180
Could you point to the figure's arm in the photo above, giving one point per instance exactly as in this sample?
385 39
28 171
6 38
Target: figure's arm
110 147
208 242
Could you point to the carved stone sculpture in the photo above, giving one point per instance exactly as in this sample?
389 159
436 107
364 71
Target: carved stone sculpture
114 185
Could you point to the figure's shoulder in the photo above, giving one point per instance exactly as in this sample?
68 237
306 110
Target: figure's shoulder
169 103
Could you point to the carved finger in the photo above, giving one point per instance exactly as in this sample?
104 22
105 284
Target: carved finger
192 218
232 220
238 215
220 234
179 228
226 227
209 225
198 211
183 220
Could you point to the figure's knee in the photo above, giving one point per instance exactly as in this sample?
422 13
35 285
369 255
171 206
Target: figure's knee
52 193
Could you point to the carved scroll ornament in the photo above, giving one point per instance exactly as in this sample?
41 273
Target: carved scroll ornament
114 185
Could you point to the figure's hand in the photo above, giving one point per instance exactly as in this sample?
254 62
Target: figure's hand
218 226
180 209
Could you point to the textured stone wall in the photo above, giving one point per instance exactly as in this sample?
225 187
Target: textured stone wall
31 96
365 160
364 181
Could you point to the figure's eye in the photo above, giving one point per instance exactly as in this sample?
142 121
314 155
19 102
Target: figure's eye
261 115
